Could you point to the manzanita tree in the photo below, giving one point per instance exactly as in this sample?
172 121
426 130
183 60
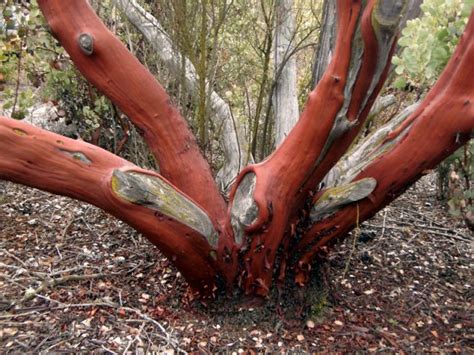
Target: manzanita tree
281 212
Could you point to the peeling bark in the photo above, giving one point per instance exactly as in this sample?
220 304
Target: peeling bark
442 123
155 193
335 198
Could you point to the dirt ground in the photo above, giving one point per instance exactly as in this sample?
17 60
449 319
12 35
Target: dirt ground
74 279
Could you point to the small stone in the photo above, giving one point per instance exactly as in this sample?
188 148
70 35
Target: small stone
104 329
10 331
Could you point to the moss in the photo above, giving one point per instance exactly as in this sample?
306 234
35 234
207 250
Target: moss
290 304
319 305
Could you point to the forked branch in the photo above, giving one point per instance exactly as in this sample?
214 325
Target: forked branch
110 67
443 122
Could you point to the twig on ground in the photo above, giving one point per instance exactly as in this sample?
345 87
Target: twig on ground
167 337
48 283
135 338
354 243
423 229
68 225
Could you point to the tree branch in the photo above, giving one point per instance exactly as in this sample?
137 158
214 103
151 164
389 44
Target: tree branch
232 137
357 158
108 65
442 123
41 159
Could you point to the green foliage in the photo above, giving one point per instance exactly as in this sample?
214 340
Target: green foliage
81 103
25 100
429 41
21 34
31 57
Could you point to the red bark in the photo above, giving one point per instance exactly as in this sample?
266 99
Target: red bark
50 162
286 178
441 124
112 69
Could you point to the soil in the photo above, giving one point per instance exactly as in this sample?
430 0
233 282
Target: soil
75 279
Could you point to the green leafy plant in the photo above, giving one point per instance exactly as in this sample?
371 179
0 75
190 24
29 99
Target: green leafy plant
21 33
429 41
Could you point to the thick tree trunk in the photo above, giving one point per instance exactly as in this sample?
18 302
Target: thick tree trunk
334 113
276 218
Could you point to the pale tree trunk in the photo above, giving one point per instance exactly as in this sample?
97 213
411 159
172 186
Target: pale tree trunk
285 97
327 38
232 138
